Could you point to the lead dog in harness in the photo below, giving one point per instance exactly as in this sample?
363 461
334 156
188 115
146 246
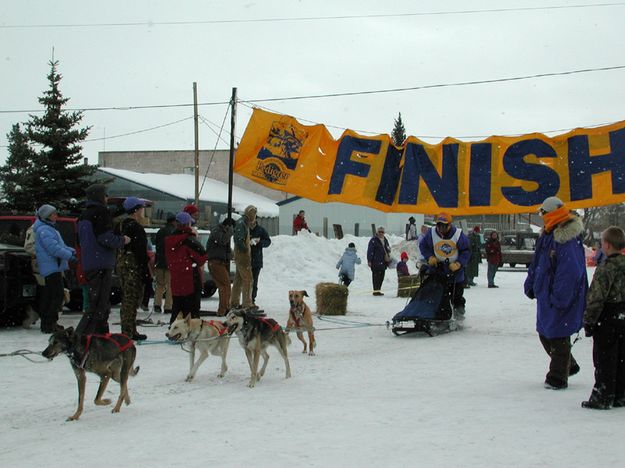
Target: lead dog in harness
255 334
208 337
109 356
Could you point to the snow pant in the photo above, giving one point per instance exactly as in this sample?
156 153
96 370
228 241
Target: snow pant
608 356
51 301
220 272
187 305
148 292
242 284
163 286
344 279
559 350
133 287
457 294
377 277
255 273
95 318
492 270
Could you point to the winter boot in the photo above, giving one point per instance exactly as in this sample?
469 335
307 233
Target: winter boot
595 404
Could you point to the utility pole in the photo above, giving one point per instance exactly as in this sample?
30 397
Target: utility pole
233 121
197 147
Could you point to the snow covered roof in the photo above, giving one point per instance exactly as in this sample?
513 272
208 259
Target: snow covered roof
183 186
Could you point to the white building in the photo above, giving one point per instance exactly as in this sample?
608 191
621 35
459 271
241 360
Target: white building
353 219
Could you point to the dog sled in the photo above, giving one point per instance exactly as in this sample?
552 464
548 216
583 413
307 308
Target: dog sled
430 309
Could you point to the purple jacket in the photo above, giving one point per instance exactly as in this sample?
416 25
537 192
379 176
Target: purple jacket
98 243
426 248
557 280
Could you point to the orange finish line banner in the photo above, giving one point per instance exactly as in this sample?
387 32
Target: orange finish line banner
585 167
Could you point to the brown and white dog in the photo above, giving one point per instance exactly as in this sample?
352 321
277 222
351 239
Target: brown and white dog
208 337
300 318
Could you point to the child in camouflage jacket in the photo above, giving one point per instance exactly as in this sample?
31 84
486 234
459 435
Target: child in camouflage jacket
604 320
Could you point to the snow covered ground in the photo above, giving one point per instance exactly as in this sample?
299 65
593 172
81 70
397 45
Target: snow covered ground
463 399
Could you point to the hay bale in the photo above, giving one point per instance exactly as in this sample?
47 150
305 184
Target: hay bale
407 285
331 299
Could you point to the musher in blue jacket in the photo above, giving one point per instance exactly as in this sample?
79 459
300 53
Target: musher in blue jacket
448 246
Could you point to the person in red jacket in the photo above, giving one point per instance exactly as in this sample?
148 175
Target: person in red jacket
185 258
493 257
299 223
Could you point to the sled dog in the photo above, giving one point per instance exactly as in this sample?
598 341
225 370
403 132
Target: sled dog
255 334
109 356
208 337
300 318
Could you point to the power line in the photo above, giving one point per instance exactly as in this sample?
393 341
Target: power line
309 18
560 130
331 95
118 108
437 85
139 131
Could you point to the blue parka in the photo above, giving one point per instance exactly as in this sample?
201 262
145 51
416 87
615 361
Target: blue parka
98 243
558 281
347 263
52 253
426 248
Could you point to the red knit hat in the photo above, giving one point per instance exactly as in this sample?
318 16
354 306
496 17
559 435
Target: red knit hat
404 255
191 209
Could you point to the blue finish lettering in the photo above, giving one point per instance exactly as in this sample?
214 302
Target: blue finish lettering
390 176
417 165
344 165
480 174
514 164
582 166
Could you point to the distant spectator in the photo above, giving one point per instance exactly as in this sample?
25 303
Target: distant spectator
411 232
424 231
378 259
259 240
402 265
52 259
473 267
493 257
600 257
193 211
347 264
299 223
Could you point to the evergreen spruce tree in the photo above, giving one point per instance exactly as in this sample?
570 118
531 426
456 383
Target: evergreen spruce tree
399 132
62 174
19 181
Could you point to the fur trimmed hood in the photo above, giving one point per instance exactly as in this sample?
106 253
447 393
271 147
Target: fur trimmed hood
568 230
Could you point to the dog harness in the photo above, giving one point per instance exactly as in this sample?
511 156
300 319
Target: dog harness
110 337
219 326
275 326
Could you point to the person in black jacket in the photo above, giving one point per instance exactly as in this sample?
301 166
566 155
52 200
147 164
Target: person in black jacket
161 272
98 245
132 265
219 255
259 239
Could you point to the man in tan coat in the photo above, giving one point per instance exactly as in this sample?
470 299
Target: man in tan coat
243 279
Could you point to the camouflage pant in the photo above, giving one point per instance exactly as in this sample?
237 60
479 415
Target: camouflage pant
132 291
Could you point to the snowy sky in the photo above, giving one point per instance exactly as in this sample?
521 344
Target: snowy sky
148 53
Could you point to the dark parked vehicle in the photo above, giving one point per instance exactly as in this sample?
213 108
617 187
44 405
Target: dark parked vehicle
18 286
517 248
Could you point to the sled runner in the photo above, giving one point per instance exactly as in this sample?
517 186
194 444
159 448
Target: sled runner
430 310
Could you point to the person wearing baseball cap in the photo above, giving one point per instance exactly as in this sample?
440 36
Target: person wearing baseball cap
185 259
447 247
132 266
557 279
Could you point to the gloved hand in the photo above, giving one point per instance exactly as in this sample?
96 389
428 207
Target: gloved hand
530 294
432 261
589 329
254 240
455 266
